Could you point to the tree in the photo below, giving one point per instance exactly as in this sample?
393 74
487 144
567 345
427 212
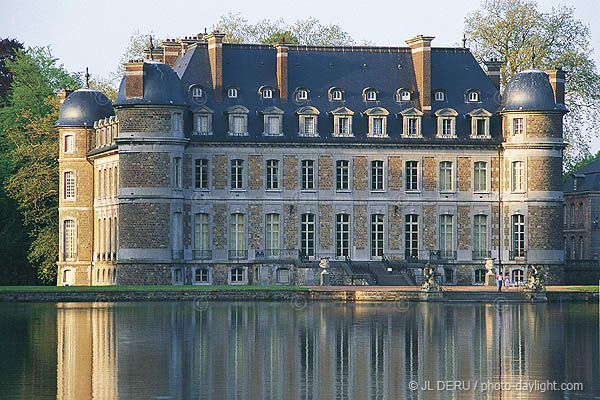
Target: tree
8 51
28 125
518 33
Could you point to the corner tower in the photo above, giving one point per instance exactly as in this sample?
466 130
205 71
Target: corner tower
532 200
76 191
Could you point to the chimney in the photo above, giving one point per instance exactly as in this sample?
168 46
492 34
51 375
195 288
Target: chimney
63 94
557 81
493 71
282 71
420 47
171 51
134 82
215 56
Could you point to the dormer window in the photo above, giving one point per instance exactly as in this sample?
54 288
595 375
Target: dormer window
336 95
370 94
302 94
273 121
232 93
439 95
480 123
307 121
342 122
472 96
446 123
411 122
402 95
377 121
203 121
197 92
238 120
266 92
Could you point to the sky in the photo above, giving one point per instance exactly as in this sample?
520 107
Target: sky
95 34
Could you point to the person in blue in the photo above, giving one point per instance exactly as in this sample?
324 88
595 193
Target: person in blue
499 279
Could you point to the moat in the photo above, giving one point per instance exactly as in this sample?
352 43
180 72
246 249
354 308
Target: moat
298 350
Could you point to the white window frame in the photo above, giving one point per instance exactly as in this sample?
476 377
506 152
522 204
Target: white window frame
442 115
408 115
237 275
377 113
446 169
377 169
237 235
377 235
473 96
235 113
272 115
517 126
69 185
203 112
411 186
267 93
201 234
337 95
303 114
69 144
403 95
236 167
201 173
272 174
517 176
272 235
477 115
339 114
370 95
480 235
197 92
307 174
302 94
411 235
447 236
518 237
439 95
308 224
342 175
342 235
480 174
232 93
202 270
69 239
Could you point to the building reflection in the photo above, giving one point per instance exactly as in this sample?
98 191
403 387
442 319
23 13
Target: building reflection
323 351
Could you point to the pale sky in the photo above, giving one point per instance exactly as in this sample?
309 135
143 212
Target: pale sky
95 34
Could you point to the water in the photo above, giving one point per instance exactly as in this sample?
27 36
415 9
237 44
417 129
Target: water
260 350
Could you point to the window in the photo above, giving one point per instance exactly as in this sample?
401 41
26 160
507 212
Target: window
69 144
445 176
202 124
177 181
302 94
232 93
272 174
412 171
446 122
237 275
342 175
309 126
237 238
516 276
446 236
201 236
572 214
439 95
472 96
480 127
272 239
377 126
344 126
371 95
581 248
201 173
517 176
273 121
201 275
480 235
197 93
480 123
479 276
307 121
342 235
580 209
237 174
69 239
177 276
377 175
283 275
446 127
411 236
376 235
69 185
564 214
267 93
517 126
307 235
177 235
308 174
177 122
342 122
573 249
238 125
377 121
412 126
238 120
480 176
272 127
411 122
518 235
336 95
403 95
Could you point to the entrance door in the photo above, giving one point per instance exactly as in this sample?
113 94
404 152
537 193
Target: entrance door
68 277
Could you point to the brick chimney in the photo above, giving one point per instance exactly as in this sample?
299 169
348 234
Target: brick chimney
282 71
557 81
134 82
420 47
63 94
493 71
171 50
215 56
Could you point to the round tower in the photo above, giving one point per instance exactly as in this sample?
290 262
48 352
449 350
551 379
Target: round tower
151 109
76 185
532 200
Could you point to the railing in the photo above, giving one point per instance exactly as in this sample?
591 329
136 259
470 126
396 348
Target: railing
238 254
177 254
277 254
517 254
202 254
412 255
442 255
481 254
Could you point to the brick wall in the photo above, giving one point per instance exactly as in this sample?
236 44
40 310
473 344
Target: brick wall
144 225
464 227
187 225
395 227
544 173
395 173
144 170
144 120
144 274
187 171
290 227
506 226
255 172
429 174
463 174
255 225
542 221
219 170
429 227
360 226
290 172
544 126
495 223
361 173
326 226
325 172
495 175
220 226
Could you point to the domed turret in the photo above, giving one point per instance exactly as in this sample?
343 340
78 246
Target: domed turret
83 107
150 83
530 91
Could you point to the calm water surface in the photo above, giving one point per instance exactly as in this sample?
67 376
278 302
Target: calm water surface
258 350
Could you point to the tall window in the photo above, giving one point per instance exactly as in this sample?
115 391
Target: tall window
176 234
446 127
344 126
307 235
273 235
580 209
69 239
480 235
572 214
342 235
238 124
446 236
517 126
342 174
237 174
177 122
69 184
201 173
237 239
411 236
272 174
412 126
69 143
518 235
480 176
581 248
177 172
517 176
378 126
445 176
376 235
203 125
377 175
308 174
201 236
480 127
310 126
273 125
412 175
573 249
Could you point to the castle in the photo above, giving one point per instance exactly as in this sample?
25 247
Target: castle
225 163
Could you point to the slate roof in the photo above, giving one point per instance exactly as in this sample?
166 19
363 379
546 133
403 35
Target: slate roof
83 107
588 178
387 69
530 91
162 86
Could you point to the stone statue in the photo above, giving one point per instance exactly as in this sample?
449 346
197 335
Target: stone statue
429 284
534 280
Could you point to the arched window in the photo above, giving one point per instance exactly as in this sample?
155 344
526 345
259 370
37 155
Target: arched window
69 239
439 95
518 236
69 185
402 95
69 143
472 96
377 121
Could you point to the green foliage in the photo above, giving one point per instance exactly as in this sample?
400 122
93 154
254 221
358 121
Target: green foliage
8 51
590 158
28 129
518 33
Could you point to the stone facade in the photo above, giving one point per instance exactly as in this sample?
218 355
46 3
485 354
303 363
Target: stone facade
219 169
145 170
429 174
544 219
395 173
325 172
146 120
544 126
544 173
361 173
326 226
220 226
255 225
395 238
290 227
144 225
255 172
464 227
463 174
429 227
360 226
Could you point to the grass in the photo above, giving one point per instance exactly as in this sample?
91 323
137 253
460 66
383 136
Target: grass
168 288
589 288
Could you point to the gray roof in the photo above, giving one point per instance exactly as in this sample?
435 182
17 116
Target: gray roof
83 107
161 87
588 178
530 91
